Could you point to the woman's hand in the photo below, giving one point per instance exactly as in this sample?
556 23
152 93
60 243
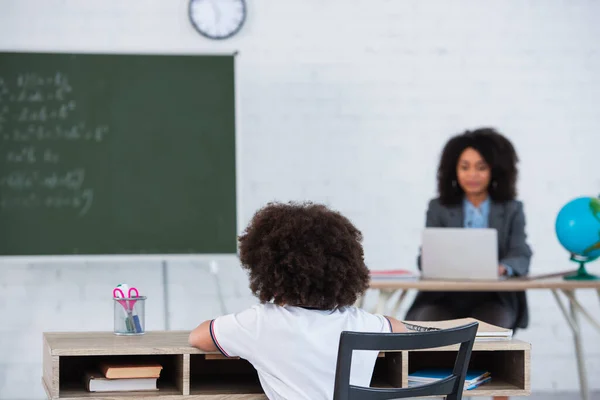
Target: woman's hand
501 270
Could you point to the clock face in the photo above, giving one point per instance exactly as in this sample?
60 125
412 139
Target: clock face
217 19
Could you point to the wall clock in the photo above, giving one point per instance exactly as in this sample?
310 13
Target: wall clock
217 19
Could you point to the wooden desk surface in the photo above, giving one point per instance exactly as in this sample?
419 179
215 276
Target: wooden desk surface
507 285
107 343
176 342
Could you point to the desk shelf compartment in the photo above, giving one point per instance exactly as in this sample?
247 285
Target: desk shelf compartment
72 370
390 370
508 369
212 374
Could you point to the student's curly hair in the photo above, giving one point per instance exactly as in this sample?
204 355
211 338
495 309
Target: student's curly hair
304 254
497 151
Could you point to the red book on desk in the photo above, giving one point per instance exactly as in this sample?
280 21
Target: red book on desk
120 371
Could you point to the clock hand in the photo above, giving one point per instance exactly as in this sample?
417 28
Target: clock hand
216 10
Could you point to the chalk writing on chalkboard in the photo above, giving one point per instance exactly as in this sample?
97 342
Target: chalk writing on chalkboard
37 114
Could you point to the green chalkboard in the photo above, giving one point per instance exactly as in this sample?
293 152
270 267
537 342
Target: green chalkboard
110 154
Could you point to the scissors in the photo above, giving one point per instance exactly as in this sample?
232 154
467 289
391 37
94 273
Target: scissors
132 293
132 321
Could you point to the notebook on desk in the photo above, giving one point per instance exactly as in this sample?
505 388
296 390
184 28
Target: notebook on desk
473 379
485 331
459 254
97 382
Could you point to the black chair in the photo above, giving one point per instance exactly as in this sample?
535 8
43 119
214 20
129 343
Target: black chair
451 387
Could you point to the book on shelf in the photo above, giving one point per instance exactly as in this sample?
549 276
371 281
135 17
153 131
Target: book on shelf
120 371
473 379
97 382
485 331
393 274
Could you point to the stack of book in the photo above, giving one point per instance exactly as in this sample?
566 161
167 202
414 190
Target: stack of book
473 379
123 378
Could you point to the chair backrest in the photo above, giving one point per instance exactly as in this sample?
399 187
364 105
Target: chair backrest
451 387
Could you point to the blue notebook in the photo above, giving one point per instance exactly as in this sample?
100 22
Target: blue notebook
473 379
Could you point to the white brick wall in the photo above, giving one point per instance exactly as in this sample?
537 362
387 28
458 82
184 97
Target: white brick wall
346 102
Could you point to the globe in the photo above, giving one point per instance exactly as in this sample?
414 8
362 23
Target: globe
578 231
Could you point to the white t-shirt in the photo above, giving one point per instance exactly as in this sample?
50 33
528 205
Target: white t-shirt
294 349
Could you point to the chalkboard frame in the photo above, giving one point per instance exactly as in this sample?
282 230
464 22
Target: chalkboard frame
147 257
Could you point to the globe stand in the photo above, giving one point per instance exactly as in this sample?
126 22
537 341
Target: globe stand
581 274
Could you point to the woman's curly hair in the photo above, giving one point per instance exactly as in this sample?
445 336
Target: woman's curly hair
497 151
304 254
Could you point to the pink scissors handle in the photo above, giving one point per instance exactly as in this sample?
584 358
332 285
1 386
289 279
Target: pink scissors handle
131 292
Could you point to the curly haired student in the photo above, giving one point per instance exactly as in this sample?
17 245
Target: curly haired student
476 179
306 267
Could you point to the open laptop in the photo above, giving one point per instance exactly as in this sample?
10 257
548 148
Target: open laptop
459 254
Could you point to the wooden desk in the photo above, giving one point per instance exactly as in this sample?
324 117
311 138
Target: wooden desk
192 374
555 283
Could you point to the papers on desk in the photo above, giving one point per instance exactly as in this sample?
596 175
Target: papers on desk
473 379
485 331
393 274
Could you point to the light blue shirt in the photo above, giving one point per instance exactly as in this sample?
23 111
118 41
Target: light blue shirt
478 217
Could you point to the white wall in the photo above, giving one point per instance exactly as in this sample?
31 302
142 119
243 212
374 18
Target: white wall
346 102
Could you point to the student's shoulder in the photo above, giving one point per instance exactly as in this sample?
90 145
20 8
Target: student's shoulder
372 321
268 311
246 315
263 308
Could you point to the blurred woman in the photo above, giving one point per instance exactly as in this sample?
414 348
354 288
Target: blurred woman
476 182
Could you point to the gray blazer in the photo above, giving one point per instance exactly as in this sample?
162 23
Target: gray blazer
508 219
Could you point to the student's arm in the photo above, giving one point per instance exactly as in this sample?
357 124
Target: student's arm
202 339
519 253
397 326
